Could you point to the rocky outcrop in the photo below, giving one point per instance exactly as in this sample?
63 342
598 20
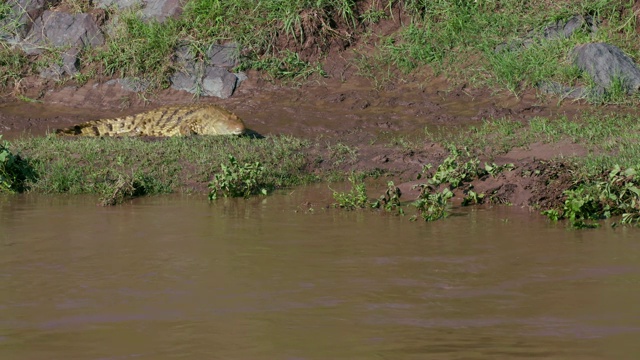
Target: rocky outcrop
62 30
62 36
68 66
69 33
605 63
565 29
18 21
210 77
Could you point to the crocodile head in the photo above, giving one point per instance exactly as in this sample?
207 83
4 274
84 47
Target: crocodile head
217 121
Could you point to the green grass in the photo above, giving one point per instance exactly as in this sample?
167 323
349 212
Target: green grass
286 38
14 65
270 32
100 166
460 38
610 138
139 49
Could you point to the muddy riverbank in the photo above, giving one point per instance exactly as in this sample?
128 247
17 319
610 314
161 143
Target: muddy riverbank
354 128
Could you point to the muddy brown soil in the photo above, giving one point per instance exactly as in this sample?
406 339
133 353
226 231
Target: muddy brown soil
345 110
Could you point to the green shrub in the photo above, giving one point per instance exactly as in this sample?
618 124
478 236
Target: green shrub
14 170
433 205
238 180
356 198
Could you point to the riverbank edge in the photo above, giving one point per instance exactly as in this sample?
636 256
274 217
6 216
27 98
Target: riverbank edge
497 163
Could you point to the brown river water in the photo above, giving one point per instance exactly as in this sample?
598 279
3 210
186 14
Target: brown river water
178 277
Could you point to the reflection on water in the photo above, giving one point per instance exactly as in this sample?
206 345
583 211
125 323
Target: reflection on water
254 279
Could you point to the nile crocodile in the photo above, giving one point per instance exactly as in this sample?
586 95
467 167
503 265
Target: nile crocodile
200 119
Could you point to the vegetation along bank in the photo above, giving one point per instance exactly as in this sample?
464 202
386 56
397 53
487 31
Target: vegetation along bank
529 103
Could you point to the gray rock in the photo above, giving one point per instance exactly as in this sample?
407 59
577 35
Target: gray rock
18 21
207 81
118 4
564 29
604 63
134 84
242 76
187 78
183 55
184 81
565 92
203 79
68 66
60 29
223 55
218 82
161 10
558 30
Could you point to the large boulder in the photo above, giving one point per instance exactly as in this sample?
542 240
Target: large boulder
62 30
606 63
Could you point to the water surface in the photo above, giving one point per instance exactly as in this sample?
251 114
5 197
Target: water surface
177 277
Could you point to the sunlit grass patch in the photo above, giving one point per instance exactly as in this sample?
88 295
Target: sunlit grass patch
96 166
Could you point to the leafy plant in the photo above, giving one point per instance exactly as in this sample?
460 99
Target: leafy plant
356 198
14 170
494 169
455 172
238 180
390 200
432 205
472 198
618 194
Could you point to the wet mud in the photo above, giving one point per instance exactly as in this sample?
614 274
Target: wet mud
332 111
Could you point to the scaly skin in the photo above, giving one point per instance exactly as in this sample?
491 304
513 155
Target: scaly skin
200 119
